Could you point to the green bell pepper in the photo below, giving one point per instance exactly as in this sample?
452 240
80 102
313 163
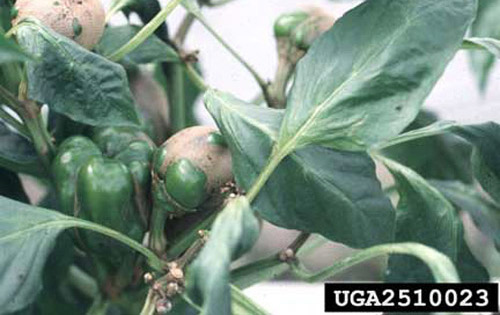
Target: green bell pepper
106 181
286 23
72 154
189 170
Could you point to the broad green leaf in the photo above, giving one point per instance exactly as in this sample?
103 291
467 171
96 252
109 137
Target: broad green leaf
485 157
490 44
366 78
150 51
74 81
315 189
484 212
437 156
234 232
27 236
485 25
425 216
11 52
17 153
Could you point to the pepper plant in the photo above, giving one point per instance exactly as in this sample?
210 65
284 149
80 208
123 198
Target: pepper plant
144 211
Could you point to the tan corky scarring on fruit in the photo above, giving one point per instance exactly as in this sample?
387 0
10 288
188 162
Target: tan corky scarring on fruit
81 20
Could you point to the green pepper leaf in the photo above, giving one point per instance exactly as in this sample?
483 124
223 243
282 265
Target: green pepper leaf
485 25
75 82
17 153
27 236
234 232
425 216
315 189
438 155
485 156
152 50
365 79
484 212
11 52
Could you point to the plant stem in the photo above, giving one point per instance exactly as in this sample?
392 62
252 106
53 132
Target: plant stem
247 306
83 282
145 32
153 260
41 138
191 253
195 77
186 240
299 241
262 83
158 241
187 22
271 267
258 271
274 161
175 91
149 304
186 298
277 89
33 122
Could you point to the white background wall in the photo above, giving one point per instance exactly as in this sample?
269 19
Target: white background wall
247 26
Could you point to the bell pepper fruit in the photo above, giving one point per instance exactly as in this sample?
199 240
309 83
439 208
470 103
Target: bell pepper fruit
106 181
189 170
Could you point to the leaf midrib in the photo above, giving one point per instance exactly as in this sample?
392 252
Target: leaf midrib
292 143
61 224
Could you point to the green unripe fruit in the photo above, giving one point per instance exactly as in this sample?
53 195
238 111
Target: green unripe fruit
105 193
310 29
186 183
113 140
192 166
286 23
73 153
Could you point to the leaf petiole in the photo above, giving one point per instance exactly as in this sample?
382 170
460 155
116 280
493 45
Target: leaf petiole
440 265
145 32
260 81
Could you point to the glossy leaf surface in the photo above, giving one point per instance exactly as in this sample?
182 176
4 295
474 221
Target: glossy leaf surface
74 81
425 216
365 79
234 232
315 189
151 50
